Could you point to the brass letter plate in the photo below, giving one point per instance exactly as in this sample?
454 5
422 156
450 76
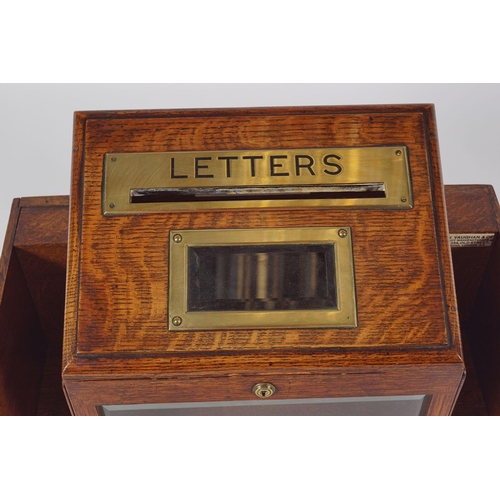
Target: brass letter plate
261 278
294 178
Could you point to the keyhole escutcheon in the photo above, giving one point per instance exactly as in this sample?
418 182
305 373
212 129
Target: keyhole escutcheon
264 390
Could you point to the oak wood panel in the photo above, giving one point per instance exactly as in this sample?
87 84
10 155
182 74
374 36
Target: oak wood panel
41 246
469 265
72 277
45 224
474 210
391 381
294 361
22 347
117 301
44 269
467 212
471 210
470 401
137 294
46 202
482 328
52 401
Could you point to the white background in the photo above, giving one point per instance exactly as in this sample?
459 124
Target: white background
36 122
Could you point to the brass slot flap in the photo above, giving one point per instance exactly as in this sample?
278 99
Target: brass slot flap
369 177
261 278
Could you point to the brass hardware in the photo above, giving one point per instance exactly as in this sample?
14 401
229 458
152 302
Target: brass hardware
264 390
260 193
342 233
404 200
111 205
176 320
258 179
339 270
177 238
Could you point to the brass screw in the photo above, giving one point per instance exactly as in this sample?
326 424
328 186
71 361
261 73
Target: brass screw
342 233
398 152
264 390
112 205
113 158
404 200
176 321
177 238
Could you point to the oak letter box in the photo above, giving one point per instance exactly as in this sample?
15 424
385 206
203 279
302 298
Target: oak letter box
260 261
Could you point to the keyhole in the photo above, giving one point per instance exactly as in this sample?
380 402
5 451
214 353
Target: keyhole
264 390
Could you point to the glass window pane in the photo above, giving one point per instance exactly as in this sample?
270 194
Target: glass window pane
364 406
261 277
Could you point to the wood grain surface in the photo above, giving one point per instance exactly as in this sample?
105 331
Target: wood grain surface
32 307
116 324
481 328
470 209
390 381
123 261
22 346
41 245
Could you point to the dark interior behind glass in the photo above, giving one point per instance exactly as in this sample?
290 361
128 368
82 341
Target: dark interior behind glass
261 277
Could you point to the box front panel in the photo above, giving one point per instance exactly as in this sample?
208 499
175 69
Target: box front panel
401 390
124 260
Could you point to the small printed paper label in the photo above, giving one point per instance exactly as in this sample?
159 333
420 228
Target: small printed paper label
472 240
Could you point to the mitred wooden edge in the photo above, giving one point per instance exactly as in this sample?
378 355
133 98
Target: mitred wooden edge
442 236
253 111
495 206
74 239
44 201
8 243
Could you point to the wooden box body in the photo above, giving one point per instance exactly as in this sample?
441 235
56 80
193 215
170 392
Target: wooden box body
118 348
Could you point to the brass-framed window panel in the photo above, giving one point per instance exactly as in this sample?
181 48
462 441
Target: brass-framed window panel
337 309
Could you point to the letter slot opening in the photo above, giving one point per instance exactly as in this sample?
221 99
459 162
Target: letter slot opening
333 192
